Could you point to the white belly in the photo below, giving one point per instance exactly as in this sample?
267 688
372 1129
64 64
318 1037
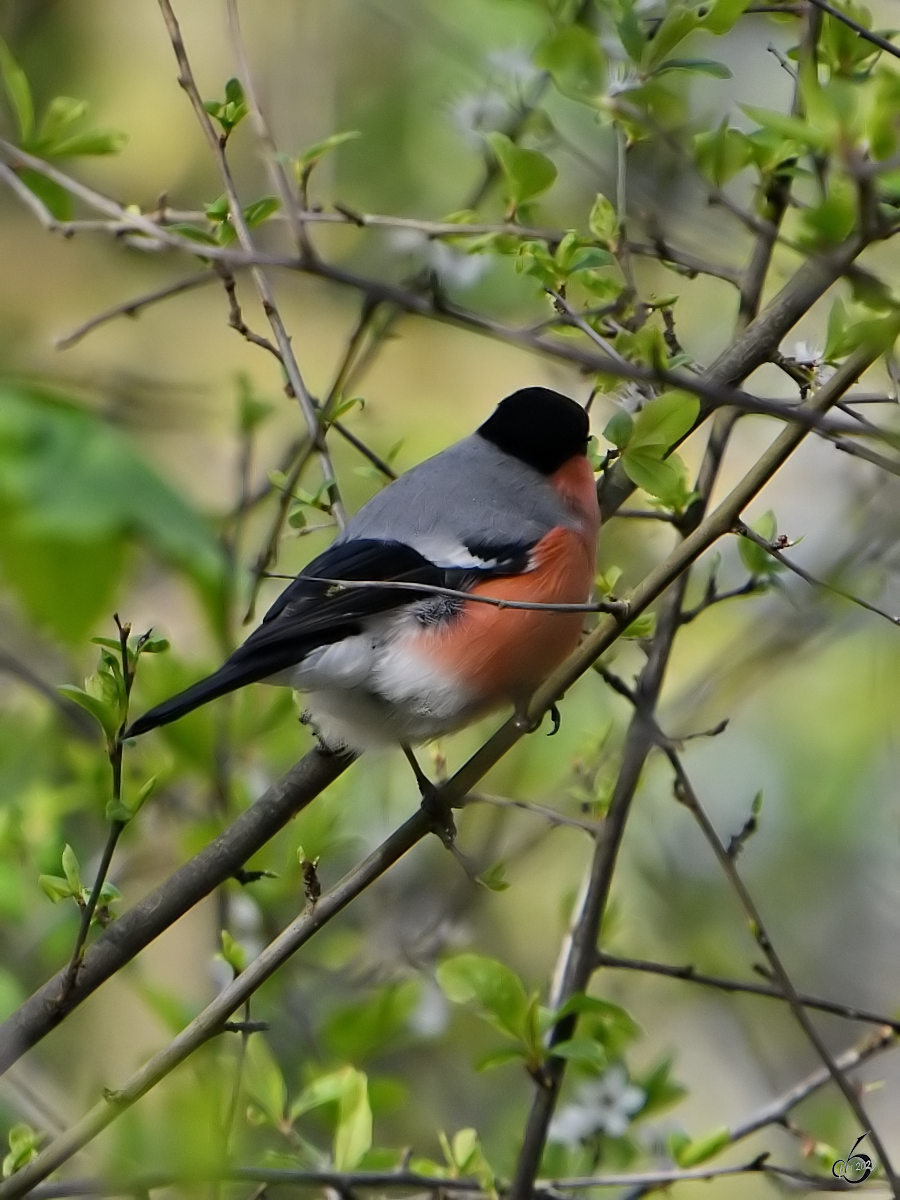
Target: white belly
374 690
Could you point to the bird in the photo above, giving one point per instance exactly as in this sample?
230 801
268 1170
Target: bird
510 512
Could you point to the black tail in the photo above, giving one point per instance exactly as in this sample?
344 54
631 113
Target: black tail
229 677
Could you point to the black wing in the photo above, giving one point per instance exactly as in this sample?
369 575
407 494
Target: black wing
307 614
311 612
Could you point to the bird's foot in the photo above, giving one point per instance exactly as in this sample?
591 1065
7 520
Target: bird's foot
438 811
440 816
529 724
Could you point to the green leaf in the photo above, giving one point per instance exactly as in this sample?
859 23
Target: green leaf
491 984
721 153
233 952
464 1146
353 1136
583 1050
787 126
327 1089
695 66
660 477
261 210
71 869
643 626
18 91
528 172
659 1088
832 220
54 195
61 114
499 1058
155 645
101 712
595 1006
619 429
56 887
74 495
312 155
664 420
723 15
678 22
573 57
232 111
755 559
263 1078
91 142
23 1147
590 258
630 33
493 878
699 1150
603 221
373 1026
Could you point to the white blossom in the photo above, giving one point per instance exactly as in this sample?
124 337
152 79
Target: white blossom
604 1106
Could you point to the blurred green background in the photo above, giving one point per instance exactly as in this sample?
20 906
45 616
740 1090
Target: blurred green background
120 460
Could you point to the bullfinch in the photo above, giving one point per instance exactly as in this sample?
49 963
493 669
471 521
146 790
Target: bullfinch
509 512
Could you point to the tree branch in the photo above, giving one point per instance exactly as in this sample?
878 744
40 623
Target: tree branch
690 975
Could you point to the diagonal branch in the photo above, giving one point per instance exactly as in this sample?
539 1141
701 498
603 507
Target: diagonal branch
690 975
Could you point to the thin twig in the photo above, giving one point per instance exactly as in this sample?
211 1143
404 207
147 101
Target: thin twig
618 608
690 975
283 341
269 552
131 308
538 810
751 535
867 34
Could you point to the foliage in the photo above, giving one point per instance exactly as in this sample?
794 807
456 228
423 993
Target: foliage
600 154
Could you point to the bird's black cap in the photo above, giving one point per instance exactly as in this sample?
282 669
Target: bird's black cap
541 427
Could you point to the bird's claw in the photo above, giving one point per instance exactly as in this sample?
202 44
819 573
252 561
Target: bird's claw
440 816
556 718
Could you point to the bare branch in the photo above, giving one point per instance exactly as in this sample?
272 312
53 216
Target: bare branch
131 308
618 608
867 34
751 535
690 975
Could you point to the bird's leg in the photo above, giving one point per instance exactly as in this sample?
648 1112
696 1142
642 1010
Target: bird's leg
440 814
532 724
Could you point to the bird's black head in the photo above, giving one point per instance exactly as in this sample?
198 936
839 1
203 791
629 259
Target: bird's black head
538 426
